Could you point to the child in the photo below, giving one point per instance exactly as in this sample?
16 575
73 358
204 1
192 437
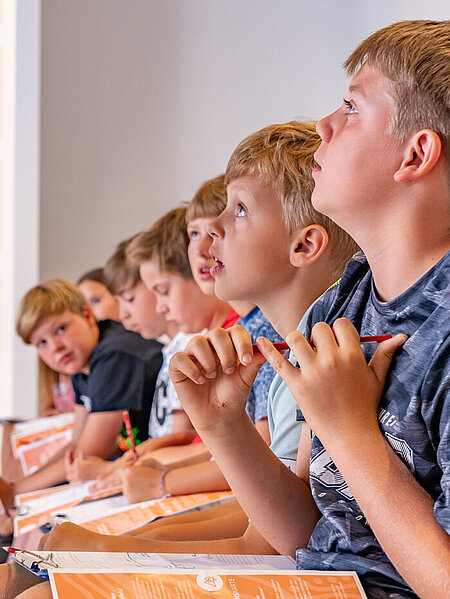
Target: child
142 484
268 223
372 493
137 305
112 370
93 286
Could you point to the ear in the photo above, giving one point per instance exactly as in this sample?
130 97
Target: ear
422 152
307 245
89 315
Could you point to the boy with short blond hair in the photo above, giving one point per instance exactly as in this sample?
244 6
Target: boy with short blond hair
112 370
372 491
253 235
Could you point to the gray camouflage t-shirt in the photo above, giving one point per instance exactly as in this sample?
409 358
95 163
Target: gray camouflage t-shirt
414 415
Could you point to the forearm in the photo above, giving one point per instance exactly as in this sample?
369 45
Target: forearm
198 478
180 438
180 456
414 541
204 515
48 476
278 502
223 527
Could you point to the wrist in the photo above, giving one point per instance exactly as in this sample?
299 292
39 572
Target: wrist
164 492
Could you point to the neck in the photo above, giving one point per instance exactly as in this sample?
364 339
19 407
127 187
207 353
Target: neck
217 310
242 308
411 243
285 308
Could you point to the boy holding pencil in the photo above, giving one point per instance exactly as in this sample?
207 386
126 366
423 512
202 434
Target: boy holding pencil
372 491
272 234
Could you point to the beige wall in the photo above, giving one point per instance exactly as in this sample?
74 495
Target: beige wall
142 100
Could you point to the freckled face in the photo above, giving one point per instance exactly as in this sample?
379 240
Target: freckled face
103 304
65 341
249 242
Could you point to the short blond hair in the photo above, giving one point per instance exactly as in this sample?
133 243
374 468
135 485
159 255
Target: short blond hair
209 201
50 297
283 156
119 271
415 57
165 242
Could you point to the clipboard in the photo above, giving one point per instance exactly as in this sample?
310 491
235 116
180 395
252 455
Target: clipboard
33 562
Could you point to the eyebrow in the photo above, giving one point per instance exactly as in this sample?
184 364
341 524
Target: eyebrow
357 89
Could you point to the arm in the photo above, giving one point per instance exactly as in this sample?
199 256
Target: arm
268 492
70 537
334 380
97 438
142 484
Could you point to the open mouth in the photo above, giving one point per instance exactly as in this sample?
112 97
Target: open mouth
218 267
204 273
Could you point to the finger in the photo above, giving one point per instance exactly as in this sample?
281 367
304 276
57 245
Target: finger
323 337
243 344
222 345
79 456
283 367
345 332
182 367
383 355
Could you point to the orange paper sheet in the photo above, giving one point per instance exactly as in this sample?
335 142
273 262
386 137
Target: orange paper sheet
138 514
207 584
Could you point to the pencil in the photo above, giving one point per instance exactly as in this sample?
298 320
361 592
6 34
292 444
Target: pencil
373 339
127 422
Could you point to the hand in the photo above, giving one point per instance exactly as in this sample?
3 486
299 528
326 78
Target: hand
140 483
111 479
337 391
80 468
214 375
70 537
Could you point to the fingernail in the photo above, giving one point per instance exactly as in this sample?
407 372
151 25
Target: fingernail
201 380
246 359
211 375
229 370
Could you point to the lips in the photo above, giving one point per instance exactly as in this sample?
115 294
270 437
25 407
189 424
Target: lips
218 264
204 272
66 358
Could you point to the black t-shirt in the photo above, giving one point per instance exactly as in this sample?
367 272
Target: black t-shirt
122 374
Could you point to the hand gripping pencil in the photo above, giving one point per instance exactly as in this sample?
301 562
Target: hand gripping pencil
127 422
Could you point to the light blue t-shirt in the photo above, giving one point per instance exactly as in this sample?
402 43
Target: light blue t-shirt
281 410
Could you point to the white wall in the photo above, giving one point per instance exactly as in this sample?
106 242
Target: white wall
143 100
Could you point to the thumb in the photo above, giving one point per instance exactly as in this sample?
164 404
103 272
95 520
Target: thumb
383 355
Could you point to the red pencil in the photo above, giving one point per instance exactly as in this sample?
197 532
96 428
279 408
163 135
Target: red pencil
374 339
127 422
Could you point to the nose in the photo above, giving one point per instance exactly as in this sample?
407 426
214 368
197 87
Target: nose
215 229
124 312
161 306
324 128
204 245
55 343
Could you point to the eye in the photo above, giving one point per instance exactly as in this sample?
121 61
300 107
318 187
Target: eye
60 330
192 234
95 300
40 344
129 299
240 210
161 291
350 107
